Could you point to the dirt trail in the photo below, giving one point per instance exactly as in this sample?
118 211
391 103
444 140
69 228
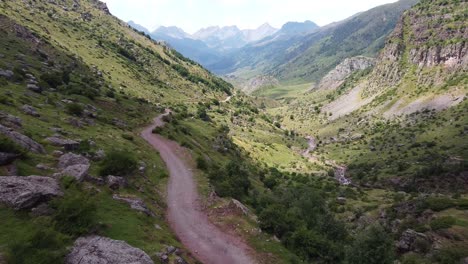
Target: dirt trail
206 241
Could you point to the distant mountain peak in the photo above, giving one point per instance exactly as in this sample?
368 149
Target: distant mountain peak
171 31
299 27
138 27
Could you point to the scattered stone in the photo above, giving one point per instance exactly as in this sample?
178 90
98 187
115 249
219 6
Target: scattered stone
102 250
115 182
135 203
42 210
239 206
99 155
170 249
179 260
10 119
34 88
76 122
119 123
164 258
158 227
67 144
79 172
29 110
22 140
25 192
341 200
71 159
6 73
57 153
407 239
42 167
7 158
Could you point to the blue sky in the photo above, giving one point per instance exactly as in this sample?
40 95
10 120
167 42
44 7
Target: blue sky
192 15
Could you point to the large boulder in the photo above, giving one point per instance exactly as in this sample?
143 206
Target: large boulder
26 192
29 110
67 144
73 165
70 159
10 120
22 140
102 250
407 241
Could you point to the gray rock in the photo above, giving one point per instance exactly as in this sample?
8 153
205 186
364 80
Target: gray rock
57 153
6 73
7 158
22 140
34 88
179 260
67 144
96 180
170 249
10 119
341 200
115 182
337 76
71 159
29 110
407 239
135 203
42 167
100 154
239 206
26 192
102 250
79 172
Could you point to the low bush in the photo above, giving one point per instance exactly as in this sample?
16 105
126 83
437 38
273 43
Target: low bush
74 109
128 137
8 146
119 163
442 223
75 213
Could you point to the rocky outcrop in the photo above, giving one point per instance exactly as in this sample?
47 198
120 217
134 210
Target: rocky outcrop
408 239
337 76
135 203
67 144
73 165
29 110
259 82
26 192
115 182
70 159
22 140
10 120
102 250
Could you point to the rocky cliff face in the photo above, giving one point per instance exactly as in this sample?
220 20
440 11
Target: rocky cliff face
338 75
430 36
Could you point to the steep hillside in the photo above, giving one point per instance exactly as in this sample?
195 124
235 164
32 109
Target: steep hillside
401 126
309 58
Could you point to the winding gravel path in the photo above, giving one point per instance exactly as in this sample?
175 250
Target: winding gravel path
207 242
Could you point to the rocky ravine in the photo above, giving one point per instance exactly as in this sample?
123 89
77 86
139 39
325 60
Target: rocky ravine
207 242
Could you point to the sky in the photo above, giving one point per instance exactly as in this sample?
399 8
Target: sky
192 15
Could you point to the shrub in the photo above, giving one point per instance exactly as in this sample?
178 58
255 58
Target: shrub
438 203
442 223
118 163
371 246
74 109
7 145
75 212
451 255
127 137
201 163
43 246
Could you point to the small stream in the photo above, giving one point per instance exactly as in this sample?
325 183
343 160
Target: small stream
340 171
